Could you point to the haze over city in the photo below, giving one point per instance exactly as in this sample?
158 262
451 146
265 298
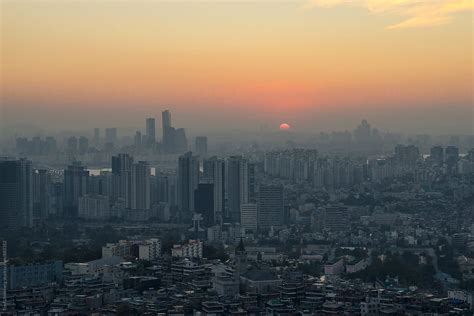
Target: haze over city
322 65
227 157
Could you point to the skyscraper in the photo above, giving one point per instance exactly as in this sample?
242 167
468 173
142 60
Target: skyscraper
270 206
168 131
16 193
121 177
201 145
150 132
140 186
76 179
204 202
188 179
237 186
41 194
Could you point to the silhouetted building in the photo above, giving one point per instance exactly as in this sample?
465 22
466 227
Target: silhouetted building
204 202
140 186
237 186
188 179
41 194
76 179
121 178
150 132
16 193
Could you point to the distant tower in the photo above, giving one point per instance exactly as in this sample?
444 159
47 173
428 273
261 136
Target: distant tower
168 131
150 132
188 179
16 193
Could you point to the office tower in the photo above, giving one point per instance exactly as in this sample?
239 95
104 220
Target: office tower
96 136
83 145
41 194
76 179
237 186
71 146
270 206
248 217
150 132
201 145
336 218
137 141
111 135
188 179
16 193
437 155
204 202
121 178
180 141
140 186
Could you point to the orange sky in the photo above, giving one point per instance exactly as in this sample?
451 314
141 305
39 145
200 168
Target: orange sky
266 58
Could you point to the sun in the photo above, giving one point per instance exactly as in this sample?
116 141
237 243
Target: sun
284 126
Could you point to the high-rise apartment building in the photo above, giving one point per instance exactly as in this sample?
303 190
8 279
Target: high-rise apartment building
140 186
76 179
201 145
16 193
188 179
41 194
121 178
204 202
237 186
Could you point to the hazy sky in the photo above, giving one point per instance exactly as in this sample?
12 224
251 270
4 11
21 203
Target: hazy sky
406 65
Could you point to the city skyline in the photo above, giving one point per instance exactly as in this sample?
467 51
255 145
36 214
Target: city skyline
316 65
